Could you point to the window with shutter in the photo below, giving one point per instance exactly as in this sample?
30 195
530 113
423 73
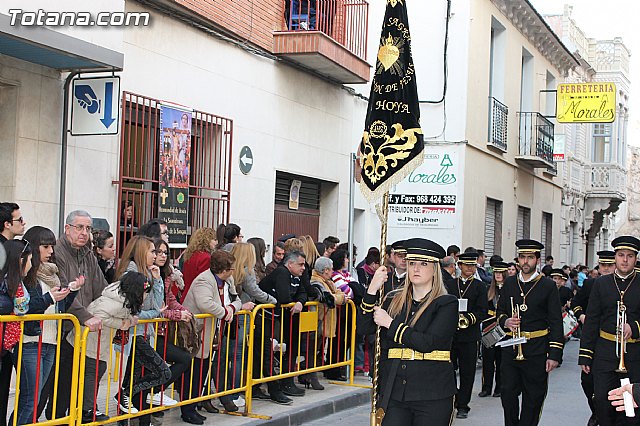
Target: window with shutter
493 227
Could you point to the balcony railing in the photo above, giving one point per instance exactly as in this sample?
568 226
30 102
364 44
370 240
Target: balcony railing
345 21
498 114
608 180
536 139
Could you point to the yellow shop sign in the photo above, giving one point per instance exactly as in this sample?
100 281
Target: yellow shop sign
586 103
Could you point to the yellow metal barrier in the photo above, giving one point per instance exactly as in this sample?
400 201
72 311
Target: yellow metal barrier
234 370
43 319
220 372
263 315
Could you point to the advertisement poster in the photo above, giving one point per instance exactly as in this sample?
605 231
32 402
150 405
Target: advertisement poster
428 198
175 152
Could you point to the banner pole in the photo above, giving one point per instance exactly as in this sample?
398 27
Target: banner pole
375 417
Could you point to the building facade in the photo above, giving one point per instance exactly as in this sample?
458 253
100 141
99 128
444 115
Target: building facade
502 58
595 166
266 75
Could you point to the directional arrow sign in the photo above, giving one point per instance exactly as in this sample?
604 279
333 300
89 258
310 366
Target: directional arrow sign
246 160
95 108
108 119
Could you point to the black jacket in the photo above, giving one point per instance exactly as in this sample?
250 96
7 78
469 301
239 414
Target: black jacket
601 315
581 299
475 291
284 286
434 331
543 313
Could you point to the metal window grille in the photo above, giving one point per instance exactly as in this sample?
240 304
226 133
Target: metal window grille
210 157
498 118
536 136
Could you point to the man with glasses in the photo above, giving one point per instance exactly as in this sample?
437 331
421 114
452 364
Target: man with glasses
13 224
285 285
74 258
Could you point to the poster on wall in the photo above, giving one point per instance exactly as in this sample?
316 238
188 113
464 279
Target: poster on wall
428 198
175 152
294 195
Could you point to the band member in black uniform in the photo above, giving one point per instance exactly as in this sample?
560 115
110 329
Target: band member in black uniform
395 278
417 324
607 265
564 293
491 356
613 318
529 306
472 299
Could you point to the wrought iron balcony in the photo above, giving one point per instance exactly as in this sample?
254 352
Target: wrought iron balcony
607 181
536 140
498 114
326 36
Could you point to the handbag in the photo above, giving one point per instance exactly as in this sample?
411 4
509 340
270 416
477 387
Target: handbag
184 335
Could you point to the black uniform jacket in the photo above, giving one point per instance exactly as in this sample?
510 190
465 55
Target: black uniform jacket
580 301
393 282
543 313
475 291
601 315
492 308
565 294
414 380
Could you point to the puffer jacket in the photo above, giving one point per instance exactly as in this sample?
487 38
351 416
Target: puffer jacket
114 315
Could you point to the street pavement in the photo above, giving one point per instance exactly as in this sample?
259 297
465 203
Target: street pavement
346 405
565 403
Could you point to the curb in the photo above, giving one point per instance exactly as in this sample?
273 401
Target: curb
318 410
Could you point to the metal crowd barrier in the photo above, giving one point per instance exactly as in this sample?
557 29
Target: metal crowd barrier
309 348
42 319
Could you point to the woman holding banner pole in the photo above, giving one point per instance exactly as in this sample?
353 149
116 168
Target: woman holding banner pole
418 322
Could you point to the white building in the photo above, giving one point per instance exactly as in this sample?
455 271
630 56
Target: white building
594 173
247 80
494 122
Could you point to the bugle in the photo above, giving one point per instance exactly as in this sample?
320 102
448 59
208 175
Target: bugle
515 313
621 343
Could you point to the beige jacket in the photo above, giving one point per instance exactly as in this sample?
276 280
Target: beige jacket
203 298
328 317
110 309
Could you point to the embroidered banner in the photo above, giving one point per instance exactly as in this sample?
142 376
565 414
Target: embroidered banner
392 142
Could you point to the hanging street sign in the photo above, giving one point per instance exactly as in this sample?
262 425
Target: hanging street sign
586 102
95 109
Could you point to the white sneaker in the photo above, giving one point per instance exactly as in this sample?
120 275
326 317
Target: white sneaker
125 404
160 399
240 402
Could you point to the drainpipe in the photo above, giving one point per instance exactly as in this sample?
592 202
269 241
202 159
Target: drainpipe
352 165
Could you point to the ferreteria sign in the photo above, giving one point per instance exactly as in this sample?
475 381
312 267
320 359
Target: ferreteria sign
586 103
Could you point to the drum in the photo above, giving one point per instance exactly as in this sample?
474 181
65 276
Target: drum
569 323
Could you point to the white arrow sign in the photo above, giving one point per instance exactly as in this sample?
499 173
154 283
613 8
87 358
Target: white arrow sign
246 160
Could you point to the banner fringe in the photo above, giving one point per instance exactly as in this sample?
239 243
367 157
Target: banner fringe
374 196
